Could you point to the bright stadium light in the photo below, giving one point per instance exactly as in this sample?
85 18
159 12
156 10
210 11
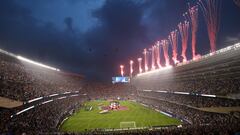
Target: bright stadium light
147 90
36 63
35 99
206 95
48 101
24 110
161 91
62 97
182 93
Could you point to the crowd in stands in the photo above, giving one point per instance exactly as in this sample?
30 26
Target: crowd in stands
204 122
110 91
192 100
220 78
23 81
43 118
215 86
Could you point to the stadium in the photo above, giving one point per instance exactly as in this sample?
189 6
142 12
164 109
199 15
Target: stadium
161 94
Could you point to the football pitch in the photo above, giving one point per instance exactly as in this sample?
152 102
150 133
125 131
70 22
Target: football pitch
136 115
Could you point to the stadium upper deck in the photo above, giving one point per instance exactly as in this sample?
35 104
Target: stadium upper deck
23 79
216 73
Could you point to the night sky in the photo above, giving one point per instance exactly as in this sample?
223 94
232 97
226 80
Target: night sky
93 37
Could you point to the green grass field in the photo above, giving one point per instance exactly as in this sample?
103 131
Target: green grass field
141 115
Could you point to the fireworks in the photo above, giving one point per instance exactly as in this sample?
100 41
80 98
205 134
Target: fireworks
121 69
158 53
211 12
173 38
140 65
193 17
145 59
165 45
131 67
184 29
153 57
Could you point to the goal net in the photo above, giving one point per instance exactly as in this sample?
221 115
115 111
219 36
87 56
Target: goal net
128 124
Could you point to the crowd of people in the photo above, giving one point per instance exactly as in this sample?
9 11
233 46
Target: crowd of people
192 100
23 81
43 118
110 91
218 123
217 79
215 86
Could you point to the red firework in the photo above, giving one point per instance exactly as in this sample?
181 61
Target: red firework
145 59
211 12
153 56
121 70
173 38
165 45
131 68
158 53
140 65
193 17
184 29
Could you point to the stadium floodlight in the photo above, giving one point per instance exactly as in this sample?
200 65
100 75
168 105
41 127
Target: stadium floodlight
206 95
121 70
62 97
48 101
147 90
52 95
24 110
36 63
35 99
182 93
161 91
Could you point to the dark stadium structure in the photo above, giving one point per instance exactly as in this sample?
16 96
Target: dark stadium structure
204 94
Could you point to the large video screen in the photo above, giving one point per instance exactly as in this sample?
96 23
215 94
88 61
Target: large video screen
120 79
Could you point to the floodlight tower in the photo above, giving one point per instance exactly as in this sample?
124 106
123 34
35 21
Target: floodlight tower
131 68
121 68
140 65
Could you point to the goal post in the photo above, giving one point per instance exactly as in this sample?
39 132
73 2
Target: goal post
128 124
